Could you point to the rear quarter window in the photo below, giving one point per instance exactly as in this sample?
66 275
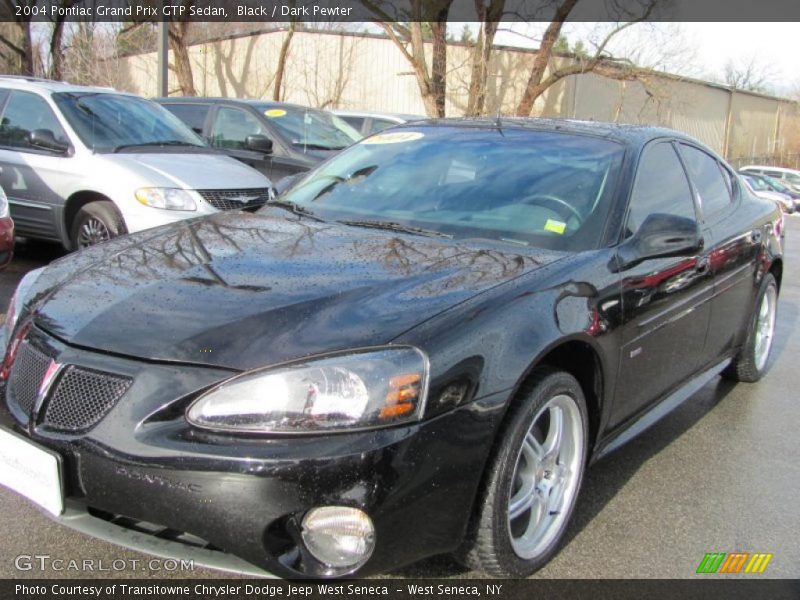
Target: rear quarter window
194 115
707 175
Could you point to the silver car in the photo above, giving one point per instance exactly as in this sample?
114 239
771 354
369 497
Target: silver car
81 165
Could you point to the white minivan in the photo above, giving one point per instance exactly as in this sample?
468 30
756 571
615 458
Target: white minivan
81 165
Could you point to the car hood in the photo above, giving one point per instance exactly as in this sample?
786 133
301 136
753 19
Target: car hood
192 171
243 290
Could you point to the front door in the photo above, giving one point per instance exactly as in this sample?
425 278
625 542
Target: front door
665 301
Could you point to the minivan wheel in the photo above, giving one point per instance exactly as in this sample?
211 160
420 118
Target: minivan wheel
96 222
533 479
752 361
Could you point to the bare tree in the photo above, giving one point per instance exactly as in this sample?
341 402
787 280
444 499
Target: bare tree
489 14
748 75
57 40
428 24
181 62
19 40
600 61
277 91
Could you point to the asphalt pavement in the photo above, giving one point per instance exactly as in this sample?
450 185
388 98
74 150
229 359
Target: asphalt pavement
719 474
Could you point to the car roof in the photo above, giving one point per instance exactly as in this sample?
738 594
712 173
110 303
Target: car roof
768 168
624 133
397 117
34 84
243 102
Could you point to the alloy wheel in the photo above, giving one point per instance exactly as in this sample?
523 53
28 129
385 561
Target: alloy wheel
765 326
546 477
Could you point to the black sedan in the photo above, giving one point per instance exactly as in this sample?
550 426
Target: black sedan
415 351
276 138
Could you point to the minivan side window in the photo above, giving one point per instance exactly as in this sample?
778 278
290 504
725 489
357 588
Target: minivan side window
232 126
661 187
706 174
194 115
24 113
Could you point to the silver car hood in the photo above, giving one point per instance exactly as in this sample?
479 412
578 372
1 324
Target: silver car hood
193 171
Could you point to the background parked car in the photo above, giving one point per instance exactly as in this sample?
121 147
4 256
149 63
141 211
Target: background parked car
276 138
762 190
776 186
6 231
371 122
82 165
789 177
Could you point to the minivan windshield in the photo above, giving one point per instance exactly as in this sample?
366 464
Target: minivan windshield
109 122
538 188
313 129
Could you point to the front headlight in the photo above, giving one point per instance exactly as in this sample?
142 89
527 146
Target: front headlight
167 198
358 390
18 301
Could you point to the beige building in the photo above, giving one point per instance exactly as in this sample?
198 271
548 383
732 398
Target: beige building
360 71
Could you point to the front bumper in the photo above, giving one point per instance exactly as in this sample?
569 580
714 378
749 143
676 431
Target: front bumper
245 496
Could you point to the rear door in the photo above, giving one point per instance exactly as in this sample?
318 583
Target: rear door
665 301
32 177
733 248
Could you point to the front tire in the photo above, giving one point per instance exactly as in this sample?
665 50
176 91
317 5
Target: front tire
533 481
753 359
96 222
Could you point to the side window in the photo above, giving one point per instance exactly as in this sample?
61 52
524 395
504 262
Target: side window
708 179
661 187
381 124
194 115
232 126
356 123
24 113
774 174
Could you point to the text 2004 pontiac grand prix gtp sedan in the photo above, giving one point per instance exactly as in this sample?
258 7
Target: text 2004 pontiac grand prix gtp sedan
415 350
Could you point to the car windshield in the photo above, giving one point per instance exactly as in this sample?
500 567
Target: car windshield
107 122
775 184
310 128
538 188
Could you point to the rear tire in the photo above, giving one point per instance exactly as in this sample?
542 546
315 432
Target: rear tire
96 222
753 359
533 479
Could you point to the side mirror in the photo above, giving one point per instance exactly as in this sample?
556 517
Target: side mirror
44 138
259 143
660 236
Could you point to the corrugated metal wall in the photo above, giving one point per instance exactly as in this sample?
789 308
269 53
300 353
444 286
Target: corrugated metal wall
346 71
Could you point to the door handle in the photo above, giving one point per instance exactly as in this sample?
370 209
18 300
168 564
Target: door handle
755 236
703 266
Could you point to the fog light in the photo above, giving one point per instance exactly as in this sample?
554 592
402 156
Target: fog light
339 536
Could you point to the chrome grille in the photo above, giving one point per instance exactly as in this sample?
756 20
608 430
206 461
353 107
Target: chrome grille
244 199
81 398
27 374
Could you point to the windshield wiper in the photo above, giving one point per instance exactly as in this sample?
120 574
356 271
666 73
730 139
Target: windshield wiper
294 208
392 226
157 144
